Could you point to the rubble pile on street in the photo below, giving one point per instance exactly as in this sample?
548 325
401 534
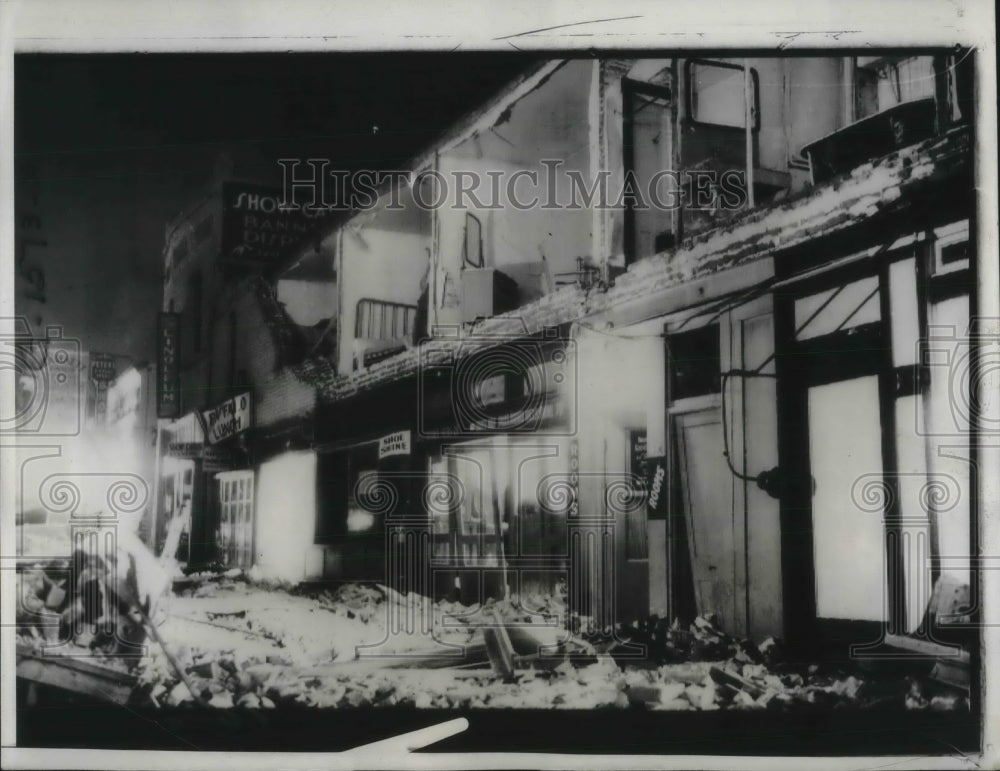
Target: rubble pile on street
227 681
247 646
224 640
82 622
80 612
703 640
724 672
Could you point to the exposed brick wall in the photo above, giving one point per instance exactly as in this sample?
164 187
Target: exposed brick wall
268 345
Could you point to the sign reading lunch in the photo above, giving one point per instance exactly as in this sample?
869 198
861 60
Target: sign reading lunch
228 419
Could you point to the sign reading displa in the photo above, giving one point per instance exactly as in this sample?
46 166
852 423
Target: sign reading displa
394 444
228 419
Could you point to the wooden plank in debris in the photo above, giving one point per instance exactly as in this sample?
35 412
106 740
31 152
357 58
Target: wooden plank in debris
952 672
499 648
734 681
927 648
82 677
951 662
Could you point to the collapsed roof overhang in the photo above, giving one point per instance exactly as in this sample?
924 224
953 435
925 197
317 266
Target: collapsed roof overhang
871 190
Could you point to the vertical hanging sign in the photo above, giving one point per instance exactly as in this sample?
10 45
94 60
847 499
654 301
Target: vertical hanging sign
168 386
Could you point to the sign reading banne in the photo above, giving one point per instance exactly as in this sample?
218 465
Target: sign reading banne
228 419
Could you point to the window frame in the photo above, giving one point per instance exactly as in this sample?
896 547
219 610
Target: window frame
689 95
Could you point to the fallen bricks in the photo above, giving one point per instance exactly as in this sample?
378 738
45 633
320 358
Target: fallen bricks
538 664
510 662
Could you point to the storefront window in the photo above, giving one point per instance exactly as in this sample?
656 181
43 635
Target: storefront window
478 512
351 500
949 359
834 310
235 533
440 500
363 502
905 321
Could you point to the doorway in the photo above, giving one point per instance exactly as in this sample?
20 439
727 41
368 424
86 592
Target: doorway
836 449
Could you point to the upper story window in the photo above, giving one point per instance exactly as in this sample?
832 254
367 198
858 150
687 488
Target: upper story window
716 94
881 82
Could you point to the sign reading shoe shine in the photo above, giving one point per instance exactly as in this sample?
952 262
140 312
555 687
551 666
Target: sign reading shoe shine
227 419
394 444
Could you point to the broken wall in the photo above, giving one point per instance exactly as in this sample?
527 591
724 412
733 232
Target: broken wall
535 242
384 257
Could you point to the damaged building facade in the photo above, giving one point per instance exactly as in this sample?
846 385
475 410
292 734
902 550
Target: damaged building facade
752 401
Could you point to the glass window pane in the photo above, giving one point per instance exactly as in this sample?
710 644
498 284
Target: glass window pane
836 309
948 357
717 95
913 490
903 304
845 451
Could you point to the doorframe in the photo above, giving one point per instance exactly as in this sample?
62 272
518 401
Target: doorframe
631 89
864 350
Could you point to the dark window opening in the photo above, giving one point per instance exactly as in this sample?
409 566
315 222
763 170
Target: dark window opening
694 362
472 245
952 253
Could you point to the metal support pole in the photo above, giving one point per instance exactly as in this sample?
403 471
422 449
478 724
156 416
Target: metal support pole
156 488
748 129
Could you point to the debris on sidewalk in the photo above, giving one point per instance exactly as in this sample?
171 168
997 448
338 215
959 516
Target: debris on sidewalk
237 643
82 621
257 646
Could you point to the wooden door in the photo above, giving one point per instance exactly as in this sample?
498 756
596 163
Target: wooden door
706 492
